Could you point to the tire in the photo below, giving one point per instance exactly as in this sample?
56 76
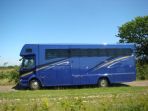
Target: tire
34 84
103 82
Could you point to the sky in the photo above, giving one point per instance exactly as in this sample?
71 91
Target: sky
62 21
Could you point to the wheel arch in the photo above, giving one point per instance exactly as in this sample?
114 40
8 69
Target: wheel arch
35 78
104 77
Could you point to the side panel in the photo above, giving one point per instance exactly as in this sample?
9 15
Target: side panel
55 71
86 64
48 75
120 69
123 71
63 75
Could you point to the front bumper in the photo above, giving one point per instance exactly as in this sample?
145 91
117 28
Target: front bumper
23 83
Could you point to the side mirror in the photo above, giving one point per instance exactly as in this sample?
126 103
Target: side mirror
20 59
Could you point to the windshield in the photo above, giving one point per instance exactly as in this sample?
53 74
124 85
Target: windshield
28 62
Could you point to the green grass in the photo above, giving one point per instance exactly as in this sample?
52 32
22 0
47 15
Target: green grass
83 99
27 94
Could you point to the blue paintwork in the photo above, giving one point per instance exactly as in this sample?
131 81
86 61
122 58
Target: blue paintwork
79 70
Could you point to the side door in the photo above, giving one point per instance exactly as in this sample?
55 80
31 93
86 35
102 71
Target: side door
75 66
63 67
63 72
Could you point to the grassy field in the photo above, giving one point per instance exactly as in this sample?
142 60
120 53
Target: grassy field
82 99
71 99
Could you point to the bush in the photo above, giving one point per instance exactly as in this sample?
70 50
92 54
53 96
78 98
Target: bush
9 73
4 74
14 76
142 71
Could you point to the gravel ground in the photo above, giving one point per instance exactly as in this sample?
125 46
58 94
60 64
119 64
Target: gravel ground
7 88
10 88
137 83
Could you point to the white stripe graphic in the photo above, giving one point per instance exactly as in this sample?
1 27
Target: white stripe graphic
113 61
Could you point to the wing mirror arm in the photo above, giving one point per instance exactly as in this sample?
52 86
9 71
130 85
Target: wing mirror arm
20 59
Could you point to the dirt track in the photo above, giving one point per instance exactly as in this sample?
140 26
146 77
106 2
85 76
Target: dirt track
135 83
6 88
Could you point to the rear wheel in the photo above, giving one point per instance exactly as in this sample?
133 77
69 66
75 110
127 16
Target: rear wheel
103 82
34 84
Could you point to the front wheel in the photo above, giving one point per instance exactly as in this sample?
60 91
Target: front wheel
103 82
34 84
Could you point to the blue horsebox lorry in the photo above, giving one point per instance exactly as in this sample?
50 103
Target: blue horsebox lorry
84 64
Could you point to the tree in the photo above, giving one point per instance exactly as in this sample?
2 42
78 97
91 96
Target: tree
136 31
